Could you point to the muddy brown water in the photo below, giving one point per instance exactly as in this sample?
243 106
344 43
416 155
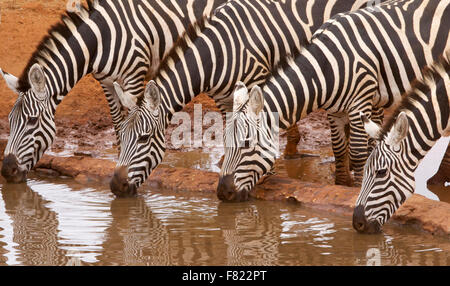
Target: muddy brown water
60 222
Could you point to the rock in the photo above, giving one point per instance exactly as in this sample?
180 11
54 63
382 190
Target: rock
82 179
47 172
432 216
94 169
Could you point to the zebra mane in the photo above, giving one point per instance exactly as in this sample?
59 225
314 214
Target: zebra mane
287 60
430 74
61 28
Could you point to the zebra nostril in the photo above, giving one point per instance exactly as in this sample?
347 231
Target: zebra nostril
226 190
11 170
359 219
359 226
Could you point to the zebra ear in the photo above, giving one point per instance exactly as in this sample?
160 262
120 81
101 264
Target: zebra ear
399 131
240 95
11 81
256 101
152 96
372 129
37 81
127 101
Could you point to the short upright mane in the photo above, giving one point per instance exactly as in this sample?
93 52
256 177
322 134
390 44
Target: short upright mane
190 34
287 60
430 75
61 28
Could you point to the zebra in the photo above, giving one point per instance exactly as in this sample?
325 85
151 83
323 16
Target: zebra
355 63
115 41
241 41
422 118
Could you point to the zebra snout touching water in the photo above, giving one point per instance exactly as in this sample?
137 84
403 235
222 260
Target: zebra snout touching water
250 144
120 186
141 136
421 119
11 170
247 133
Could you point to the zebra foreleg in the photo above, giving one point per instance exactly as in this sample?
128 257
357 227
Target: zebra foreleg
293 137
339 131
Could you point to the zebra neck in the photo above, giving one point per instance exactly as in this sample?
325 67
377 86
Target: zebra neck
428 111
186 71
301 85
68 53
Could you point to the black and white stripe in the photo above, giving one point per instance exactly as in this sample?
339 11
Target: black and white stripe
116 41
241 41
359 62
422 118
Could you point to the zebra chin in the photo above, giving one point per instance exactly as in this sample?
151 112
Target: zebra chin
12 172
120 185
226 190
362 225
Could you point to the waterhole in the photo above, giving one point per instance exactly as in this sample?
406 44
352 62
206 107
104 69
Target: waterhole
60 222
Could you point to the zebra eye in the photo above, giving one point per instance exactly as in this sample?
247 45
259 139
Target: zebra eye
143 139
381 173
32 120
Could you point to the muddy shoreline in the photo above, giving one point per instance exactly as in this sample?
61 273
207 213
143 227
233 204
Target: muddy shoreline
424 214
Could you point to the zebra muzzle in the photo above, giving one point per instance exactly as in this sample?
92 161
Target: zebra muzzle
11 170
120 185
361 224
226 190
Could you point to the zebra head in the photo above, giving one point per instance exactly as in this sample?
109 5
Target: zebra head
249 148
32 124
142 140
388 179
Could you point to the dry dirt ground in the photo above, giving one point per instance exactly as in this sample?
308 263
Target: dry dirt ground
82 119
